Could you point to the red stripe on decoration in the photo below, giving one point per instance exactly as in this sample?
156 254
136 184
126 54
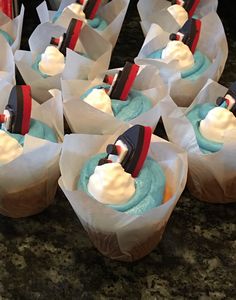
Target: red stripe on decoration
26 91
129 82
143 155
195 41
75 35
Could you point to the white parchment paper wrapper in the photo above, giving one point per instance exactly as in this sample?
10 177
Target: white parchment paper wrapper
13 27
77 66
211 177
155 11
84 118
212 43
113 13
7 65
28 183
115 234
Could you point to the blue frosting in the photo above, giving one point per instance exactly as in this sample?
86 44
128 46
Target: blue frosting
97 23
135 104
149 186
197 114
37 129
8 38
201 64
35 66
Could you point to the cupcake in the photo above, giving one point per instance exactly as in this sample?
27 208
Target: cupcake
128 95
57 54
11 30
171 15
105 18
207 131
7 65
140 208
187 58
29 152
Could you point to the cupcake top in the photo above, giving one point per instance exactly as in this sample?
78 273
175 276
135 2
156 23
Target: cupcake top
176 50
221 118
125 179
217 121
52 61
116 97
16 119
212 121
181 49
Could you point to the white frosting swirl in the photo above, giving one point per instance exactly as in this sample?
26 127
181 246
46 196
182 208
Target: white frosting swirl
10 149
178 13
77 10
217 122
110 184
99 99
52 61
176 50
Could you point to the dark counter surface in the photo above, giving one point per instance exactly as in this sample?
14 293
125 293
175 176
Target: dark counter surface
49 256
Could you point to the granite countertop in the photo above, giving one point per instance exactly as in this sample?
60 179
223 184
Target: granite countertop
49 256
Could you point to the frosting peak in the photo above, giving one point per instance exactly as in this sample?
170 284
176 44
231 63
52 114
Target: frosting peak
10 149
110 184
52 61
217 121
178 13
176 50
99 99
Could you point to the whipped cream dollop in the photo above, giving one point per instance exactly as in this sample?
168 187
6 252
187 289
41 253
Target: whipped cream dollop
110 184
52 61
77 9
178 13
10 149
216 123
99 99
176 50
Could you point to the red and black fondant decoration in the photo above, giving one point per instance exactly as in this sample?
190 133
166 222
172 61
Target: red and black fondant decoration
188 34
7 7
91 7
229 100
18 110
122 83
69 38
130 149
189 5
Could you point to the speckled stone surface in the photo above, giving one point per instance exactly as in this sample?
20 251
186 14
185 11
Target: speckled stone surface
49 256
